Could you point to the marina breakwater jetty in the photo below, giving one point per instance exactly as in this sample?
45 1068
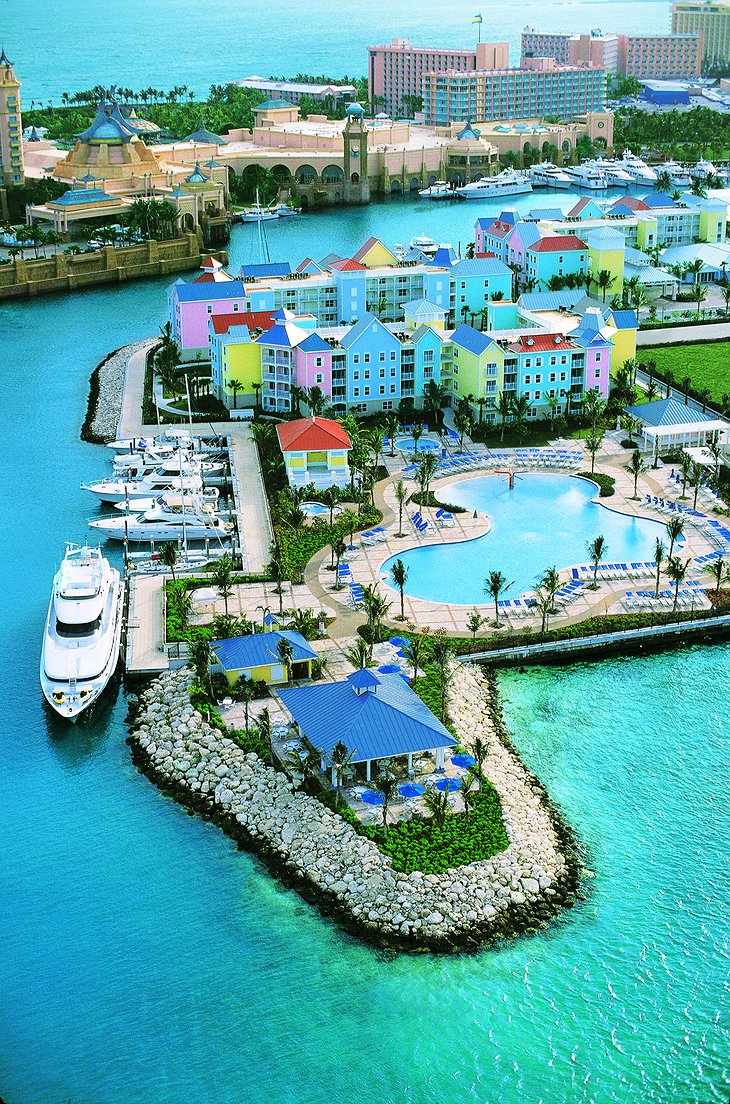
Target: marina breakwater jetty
343 873
107 390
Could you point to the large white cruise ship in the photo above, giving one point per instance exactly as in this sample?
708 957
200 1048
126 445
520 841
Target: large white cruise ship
83 631
508 182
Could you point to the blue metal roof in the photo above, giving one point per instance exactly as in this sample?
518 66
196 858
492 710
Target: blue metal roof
669 412
206 136
625 320
550 300
392 720
546 213
363 679
273 105
444 257
285 335
315 344
260 650
79 196
361 328
481 266
257 271
466 337
226 289
659 199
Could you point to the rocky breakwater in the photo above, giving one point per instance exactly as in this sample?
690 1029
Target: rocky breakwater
342 872
106 391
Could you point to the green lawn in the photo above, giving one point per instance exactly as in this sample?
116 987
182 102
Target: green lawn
707 364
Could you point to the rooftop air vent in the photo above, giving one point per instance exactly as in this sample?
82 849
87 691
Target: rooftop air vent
557 339
530 341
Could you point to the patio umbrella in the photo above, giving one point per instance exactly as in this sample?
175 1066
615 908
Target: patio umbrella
411 789
463 760
450 784
373 797
389 669
399 642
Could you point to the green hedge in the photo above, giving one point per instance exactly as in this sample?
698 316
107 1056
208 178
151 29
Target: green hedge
298 546
430 499
606 483
461 839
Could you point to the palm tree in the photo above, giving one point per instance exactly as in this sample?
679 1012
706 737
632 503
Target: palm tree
243 692
685 466
441 653
387 785
696 479
605 281
401 498
494 585
474 624
675 528
376 609
685 385
714 449
316 400
416 434
168 556
504 409
463 423
594 407
596 551
632 425
236 386
659 550
437 803
265 731
399 574
200 657
548 586
594 440
676 571
305 764
433 398
425 473
470 785
479 750
519 406
360 654
338 548
413 650
719 569
285 650
340 758
636 467
392 425
222 577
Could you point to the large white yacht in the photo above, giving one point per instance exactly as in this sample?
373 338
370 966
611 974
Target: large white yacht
147 486
637 169
83 631
703 169
508 182
440 189
679 177
546 175
139 505
616 177
590 179
170 520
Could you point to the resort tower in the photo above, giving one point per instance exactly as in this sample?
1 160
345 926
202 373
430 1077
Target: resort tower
356 186
11 127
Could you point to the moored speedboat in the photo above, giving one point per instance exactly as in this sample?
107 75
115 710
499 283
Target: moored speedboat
140 505
441 189
83 631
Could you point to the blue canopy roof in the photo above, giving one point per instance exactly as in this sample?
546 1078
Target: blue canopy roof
315 344
389 720
197 176
225 289
260 650
76 197
207 137
273 105
257 271
474 341
480 266
362 679
669 412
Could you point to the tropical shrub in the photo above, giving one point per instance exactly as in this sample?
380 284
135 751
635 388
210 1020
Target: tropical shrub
606 483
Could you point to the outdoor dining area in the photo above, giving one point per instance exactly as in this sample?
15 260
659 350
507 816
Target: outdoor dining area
367 801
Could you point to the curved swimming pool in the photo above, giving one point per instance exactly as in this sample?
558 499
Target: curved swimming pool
544 520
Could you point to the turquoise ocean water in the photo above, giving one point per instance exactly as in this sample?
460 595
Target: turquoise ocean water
144 959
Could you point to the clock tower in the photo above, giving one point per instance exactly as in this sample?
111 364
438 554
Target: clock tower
355 138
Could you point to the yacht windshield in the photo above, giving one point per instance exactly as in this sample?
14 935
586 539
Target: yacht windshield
84 629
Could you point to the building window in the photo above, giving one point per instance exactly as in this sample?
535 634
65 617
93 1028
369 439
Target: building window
392 354
382 373
527 378
356 392
538 378
355 358
356 375
382 357
235 308
382 389
366 392
366 358
318 362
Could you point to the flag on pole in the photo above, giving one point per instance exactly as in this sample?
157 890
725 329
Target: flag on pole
477 18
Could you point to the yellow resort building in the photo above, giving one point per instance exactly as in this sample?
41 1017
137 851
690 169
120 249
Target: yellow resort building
11 125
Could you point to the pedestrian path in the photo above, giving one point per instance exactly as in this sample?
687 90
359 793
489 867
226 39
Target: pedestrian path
145 651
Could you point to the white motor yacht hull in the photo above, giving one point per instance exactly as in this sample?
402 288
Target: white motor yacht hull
70 697
136 532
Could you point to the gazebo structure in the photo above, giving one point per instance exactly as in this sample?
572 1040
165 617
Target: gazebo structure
669 424
376 717
315 449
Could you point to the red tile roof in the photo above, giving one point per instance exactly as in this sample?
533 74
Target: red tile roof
632 203
558 243
255 320
499 229
480 256
312 435
348 266
541 343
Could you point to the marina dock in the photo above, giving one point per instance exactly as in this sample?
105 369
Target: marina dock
145 648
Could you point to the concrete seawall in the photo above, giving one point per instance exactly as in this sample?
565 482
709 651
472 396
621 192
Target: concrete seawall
344 873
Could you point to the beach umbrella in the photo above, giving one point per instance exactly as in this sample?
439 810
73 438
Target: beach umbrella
463 760
411 789
373 797
449 784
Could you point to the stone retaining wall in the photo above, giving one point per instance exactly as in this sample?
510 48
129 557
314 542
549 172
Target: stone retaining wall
344 873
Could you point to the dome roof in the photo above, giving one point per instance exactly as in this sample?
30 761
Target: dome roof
469 133
355 111
197 176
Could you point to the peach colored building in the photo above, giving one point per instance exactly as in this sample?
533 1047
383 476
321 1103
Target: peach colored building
647 56
396 72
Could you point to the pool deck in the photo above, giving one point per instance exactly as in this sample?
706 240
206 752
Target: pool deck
608 598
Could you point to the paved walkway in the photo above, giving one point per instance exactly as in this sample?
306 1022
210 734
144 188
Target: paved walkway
130 418
668 335
145 652
253 511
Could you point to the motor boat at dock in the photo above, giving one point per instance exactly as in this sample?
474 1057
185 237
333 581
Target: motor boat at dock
170 520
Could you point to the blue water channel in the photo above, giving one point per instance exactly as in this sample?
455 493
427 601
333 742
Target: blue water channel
145 959
543 521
